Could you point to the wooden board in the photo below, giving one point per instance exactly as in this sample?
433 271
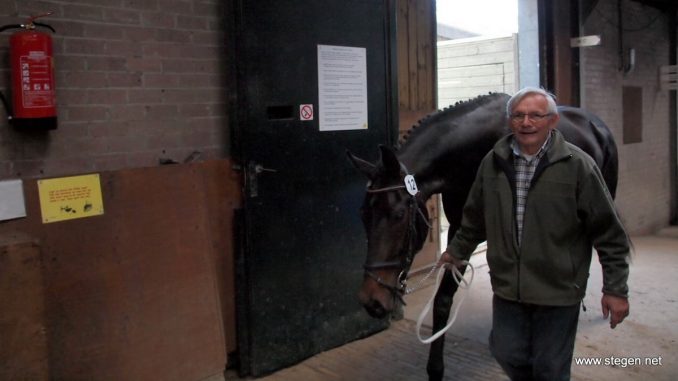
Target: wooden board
139 292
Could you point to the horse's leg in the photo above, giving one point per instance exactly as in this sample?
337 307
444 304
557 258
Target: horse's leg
453 203
442 304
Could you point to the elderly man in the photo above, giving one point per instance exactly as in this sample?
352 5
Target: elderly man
541 204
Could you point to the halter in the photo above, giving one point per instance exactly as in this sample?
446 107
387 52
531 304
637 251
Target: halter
404 263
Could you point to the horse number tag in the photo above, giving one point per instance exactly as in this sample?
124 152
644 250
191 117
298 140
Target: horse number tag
411 185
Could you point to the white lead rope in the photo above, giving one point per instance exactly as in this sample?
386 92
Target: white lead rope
462 283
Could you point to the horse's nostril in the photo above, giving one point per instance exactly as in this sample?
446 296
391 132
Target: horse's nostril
375 309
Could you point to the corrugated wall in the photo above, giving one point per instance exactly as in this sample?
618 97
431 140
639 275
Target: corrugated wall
474 66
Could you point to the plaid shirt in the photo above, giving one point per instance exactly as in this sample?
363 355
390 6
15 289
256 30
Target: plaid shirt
525 166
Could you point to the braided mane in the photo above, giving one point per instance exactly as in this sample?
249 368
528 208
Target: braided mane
450 112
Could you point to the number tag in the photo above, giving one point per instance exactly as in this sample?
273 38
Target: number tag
411 185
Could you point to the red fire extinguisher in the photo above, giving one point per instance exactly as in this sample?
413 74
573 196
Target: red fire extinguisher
33 105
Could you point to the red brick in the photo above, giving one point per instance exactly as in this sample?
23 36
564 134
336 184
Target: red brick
107 96
67 28
158 20
140 34
145 64
82 46
81 79
191 22
177 6
145 96
105 63
99 30
123 48
161 80
159 112
122 16
85 113
173 35
141 4
124 79
126 112
82 12
109 162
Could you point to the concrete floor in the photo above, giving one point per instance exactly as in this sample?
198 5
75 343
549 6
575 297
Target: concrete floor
649 334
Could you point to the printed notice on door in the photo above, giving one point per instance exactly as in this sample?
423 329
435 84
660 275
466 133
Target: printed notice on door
67 198
342 88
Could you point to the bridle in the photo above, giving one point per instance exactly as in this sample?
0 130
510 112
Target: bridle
405 261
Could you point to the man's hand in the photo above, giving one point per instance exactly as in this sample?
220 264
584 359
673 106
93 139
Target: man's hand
447 258
616 307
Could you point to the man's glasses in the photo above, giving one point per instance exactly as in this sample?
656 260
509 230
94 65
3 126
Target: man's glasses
533 117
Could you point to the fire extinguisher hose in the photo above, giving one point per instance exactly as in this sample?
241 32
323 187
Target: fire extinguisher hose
12 26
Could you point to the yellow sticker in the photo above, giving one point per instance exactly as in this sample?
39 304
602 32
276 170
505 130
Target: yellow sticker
67 198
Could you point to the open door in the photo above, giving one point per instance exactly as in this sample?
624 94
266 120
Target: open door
307 71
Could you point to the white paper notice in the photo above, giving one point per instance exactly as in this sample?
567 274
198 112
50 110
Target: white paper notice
342 88
12 203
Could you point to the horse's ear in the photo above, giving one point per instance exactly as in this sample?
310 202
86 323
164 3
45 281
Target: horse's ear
389 160
367 168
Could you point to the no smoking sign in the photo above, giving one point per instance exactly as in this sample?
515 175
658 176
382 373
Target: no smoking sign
306 112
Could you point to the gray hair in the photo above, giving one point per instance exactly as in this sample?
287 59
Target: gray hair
522 93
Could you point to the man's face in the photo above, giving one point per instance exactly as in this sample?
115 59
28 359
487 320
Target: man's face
531 123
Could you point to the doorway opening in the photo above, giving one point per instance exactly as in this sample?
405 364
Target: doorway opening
477 53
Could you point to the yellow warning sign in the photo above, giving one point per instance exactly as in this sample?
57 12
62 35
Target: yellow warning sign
67 198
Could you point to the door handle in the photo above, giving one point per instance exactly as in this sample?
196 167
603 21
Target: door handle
252 177
258 168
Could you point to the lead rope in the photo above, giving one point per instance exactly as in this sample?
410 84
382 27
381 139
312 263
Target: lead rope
461 283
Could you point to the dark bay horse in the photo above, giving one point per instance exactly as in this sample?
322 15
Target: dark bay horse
443 153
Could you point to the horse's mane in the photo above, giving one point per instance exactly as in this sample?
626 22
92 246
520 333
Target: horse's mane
449 112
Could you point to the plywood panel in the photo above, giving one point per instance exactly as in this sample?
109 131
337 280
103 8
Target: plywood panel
23 341
416 83
139 292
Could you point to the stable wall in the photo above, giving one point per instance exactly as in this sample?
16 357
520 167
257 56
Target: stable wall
137 82
643 196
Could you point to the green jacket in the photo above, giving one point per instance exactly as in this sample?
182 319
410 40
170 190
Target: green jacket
568 211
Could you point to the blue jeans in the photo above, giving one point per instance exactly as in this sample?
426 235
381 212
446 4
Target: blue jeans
533 342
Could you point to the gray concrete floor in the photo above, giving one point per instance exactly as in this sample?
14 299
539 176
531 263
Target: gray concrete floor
648 334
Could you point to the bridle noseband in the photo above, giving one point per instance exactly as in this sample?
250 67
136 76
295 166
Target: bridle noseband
405 261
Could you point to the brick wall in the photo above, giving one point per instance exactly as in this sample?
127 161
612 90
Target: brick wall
644 193
137 81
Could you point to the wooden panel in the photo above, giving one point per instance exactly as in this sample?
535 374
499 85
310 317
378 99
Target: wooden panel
416 85
223 188
425 56
23 343
403 55
632 106
139 292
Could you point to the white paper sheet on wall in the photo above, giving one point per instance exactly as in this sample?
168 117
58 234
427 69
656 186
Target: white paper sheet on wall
12 204
342 88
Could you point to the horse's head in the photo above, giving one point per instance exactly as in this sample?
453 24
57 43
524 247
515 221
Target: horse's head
396 223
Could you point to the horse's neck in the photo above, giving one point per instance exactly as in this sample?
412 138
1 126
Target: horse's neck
434 162
449 157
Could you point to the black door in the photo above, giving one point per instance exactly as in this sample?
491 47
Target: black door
304 244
